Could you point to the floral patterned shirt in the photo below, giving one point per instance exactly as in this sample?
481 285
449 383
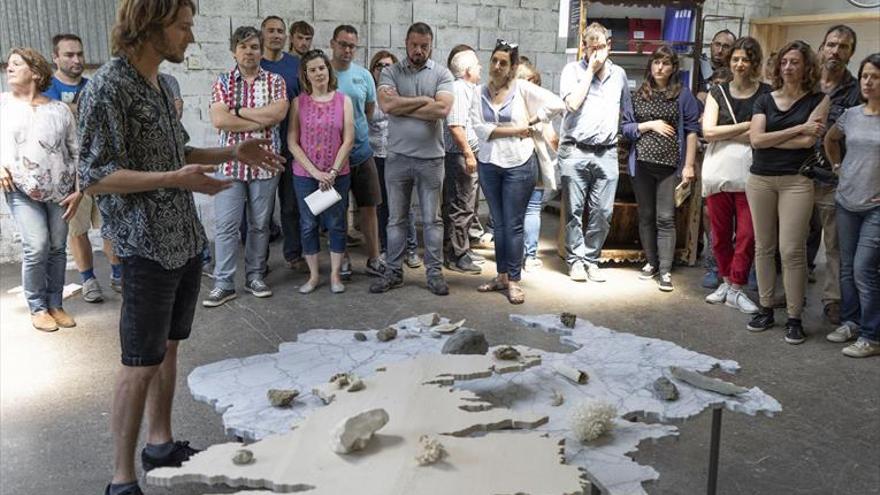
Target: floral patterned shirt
39 147
126 123
234 90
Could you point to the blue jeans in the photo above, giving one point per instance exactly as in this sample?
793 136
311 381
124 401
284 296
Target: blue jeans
43 240
532 225
402 174
859 240
588 180
332 218
257 197
382 213
508 191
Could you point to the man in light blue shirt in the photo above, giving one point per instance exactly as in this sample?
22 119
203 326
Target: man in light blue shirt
594 89
357 82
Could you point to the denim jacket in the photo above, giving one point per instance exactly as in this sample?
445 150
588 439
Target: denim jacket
688 122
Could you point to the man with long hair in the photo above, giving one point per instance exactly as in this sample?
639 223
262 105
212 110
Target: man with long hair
135 161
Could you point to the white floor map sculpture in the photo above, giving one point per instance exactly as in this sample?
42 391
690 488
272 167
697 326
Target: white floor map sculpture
457 401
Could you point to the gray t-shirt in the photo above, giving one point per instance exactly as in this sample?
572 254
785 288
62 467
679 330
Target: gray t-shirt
860 169
407 135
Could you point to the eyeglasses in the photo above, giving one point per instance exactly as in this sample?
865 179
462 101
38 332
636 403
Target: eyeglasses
346 45
380 65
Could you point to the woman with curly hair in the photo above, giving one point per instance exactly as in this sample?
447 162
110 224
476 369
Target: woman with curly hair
785 126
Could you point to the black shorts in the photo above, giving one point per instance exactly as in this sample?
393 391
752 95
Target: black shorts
365 183
157 306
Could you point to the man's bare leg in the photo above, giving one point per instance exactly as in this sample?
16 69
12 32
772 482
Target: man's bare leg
160 398
129 398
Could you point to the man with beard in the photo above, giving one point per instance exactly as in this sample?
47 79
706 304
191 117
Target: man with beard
66 85
134 158
843 90
417 95
301 34
719 57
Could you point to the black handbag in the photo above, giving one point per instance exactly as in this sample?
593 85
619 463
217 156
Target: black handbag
816 167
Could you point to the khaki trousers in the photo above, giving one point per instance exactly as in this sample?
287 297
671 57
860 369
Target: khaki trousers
824 200
781 207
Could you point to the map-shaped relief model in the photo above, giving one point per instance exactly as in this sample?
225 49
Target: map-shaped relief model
620 369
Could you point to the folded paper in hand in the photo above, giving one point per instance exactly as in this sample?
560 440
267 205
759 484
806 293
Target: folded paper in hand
320 200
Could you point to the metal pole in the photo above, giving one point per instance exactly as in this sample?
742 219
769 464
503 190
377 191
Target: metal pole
714 451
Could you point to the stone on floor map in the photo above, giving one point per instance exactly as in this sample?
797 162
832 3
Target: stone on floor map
430 451
360 336
353 433
568 319
664 389
507 353
466 342
243 457
428 320
591 419
386 334
705 382
281 397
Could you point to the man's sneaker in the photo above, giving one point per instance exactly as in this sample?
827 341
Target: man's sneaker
861 348
594 273
386 283
345 270
832 312
258 288
532 264
116 284
665 283
181 452
648 272
577 272
720 294
219 297
437 285
710 280
477 258
739 300
375 267
464 265
762 320
412 259
844 333
91 291
794 331
133 490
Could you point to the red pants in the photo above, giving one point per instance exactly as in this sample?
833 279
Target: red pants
729 213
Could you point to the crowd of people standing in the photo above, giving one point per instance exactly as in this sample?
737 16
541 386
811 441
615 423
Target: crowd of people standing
292 124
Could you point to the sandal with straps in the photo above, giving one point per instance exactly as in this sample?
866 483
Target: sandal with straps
516 294
495 285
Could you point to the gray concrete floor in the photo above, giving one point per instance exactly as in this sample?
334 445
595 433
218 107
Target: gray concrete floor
56 388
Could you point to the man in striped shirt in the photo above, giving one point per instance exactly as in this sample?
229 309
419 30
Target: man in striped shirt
247 102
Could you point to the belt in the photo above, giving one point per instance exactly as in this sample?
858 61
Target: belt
589 147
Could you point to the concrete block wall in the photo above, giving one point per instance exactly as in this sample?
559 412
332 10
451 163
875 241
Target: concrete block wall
531 23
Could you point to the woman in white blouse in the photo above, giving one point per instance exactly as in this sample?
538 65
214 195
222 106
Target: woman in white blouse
503 115
38 158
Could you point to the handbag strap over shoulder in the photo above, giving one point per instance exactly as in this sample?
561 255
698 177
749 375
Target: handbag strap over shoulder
729 107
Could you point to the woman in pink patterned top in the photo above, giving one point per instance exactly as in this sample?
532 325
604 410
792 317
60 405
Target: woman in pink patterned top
320 138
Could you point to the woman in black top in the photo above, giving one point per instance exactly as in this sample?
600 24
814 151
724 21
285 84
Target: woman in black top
725 170
785 126
662 125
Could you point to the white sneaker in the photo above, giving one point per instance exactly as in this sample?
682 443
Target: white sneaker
720 294
594 273
861 348
844 333
739 300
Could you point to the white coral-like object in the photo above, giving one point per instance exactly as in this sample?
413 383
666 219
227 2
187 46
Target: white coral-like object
592 419
430 451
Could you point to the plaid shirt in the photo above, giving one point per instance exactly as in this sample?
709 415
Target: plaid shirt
232 89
